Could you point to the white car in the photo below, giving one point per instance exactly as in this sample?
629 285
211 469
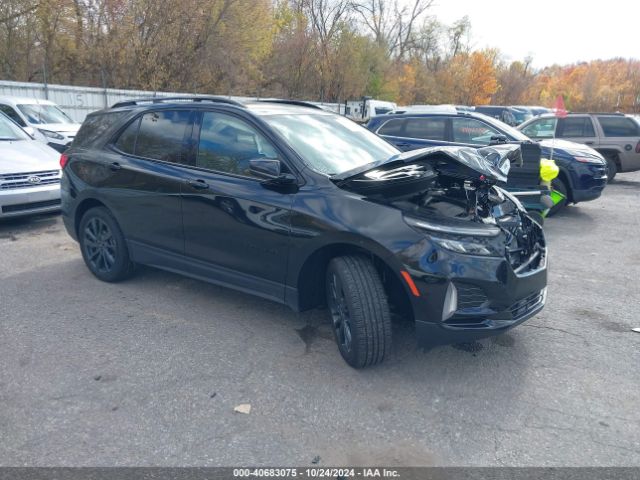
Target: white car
29 173
42 119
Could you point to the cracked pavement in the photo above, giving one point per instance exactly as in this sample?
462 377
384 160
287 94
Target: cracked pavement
147 372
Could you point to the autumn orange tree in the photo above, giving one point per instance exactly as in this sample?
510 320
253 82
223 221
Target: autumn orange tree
331 50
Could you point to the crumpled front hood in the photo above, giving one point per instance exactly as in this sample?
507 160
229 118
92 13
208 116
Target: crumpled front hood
488 163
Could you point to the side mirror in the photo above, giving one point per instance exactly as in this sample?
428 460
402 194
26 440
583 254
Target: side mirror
266 168
498 139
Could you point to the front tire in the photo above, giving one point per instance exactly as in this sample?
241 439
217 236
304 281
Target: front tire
359 310
558 185
612 167
103 246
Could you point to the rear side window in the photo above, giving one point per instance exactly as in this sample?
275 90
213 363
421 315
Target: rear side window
157 135
426 128
94 126
619 127
392 128
575 127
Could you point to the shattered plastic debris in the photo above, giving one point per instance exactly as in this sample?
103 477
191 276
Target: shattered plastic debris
637 329
243 408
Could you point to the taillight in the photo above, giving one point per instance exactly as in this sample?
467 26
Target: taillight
638 147
63 160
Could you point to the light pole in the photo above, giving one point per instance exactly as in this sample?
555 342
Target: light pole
44 71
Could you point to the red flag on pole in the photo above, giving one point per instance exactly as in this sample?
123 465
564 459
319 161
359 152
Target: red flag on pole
558 107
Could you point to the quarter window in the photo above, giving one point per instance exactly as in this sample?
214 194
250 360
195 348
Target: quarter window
228 144
619 127
468 130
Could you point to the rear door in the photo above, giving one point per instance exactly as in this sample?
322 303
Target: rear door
411 133
621 134
236 230
142 176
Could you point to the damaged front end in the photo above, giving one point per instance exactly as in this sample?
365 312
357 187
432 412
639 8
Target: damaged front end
481 264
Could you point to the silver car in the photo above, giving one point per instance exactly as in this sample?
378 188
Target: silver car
29 173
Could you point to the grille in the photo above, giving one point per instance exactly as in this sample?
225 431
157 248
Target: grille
12 181
524 306
21 207
470 296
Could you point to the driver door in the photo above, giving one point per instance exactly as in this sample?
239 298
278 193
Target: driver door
236 230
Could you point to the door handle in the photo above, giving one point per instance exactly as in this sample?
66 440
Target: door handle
589 143
115 166
198 183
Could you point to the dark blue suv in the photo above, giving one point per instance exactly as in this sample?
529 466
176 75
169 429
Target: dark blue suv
582 169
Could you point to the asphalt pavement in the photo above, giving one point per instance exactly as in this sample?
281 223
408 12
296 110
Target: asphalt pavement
148 371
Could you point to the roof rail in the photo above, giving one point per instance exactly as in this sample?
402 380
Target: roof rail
299 103
213 99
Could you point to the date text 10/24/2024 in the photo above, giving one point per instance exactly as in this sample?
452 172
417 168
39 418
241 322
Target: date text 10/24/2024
319 472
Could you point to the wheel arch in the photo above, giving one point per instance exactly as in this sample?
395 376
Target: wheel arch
83 207
310 278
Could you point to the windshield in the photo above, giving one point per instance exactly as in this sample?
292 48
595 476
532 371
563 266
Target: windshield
10 131
41 114
506 129
331 144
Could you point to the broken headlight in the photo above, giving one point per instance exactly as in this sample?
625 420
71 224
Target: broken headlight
459 239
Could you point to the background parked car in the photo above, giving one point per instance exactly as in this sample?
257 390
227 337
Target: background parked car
582 169
43 119
614 135
29 173
509 115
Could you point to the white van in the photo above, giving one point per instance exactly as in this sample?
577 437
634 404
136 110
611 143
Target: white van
42 119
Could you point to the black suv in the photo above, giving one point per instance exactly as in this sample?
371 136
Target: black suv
304 207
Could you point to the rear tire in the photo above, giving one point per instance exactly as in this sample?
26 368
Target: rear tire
359 310
558 185
612 167
103 246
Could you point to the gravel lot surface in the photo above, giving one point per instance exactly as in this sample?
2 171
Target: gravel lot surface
148 372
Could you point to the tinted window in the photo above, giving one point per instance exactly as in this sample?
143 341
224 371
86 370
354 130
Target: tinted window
227 144
543 128
94 126
12 114
426 128
468 130
575 127
127 141
392 127
161 135
619 127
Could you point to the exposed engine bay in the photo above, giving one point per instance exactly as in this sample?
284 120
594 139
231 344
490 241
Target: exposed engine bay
454 187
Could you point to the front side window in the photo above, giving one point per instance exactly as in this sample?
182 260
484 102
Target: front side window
12 114
575 127
619 126
543 128
228 144
427 128
161 135
471 131
37 114
10 131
